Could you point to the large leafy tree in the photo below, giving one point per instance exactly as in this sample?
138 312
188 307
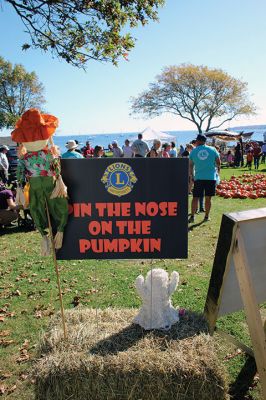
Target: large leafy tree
79 30
206 97
19 91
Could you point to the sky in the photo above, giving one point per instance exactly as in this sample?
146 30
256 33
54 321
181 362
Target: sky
227 34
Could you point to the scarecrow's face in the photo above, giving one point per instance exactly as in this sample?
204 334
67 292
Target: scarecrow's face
35 146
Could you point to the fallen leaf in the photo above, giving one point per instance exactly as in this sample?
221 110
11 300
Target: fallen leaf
76 301
11 389
48 312
5 342
25 344
46 280
229 356
10 314
23 377
22 358
5 375
4 333
38 314
16 293
2 389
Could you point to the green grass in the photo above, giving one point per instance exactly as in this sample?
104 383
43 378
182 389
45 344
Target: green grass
29 292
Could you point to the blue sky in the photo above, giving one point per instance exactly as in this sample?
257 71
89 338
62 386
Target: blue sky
227 34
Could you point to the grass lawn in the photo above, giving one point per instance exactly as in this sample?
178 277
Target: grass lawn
29 296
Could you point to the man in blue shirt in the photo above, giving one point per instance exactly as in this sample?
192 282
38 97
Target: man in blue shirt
204 164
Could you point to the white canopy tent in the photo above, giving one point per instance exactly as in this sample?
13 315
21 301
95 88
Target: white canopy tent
150 134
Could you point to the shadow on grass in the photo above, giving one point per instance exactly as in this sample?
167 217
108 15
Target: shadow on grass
244 380
191 227
10 230
189 325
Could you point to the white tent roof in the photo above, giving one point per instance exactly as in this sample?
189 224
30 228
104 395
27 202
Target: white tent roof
150 134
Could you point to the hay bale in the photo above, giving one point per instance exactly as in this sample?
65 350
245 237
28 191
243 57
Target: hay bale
108 358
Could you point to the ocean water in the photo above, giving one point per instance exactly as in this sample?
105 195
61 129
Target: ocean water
180 137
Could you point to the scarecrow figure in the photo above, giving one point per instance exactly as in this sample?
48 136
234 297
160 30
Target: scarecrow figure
157 311
39 166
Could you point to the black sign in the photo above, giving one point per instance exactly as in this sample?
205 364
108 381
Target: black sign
126 208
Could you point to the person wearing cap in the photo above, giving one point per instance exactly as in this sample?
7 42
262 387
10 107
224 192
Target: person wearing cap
39 165
117 151
71 150
204 163
4 164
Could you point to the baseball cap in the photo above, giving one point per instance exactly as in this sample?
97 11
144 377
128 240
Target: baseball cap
114 142
201 138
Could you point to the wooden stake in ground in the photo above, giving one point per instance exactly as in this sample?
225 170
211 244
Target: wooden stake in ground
57 272
238 279
251 308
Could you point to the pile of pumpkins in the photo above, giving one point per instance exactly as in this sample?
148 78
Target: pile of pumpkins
245 186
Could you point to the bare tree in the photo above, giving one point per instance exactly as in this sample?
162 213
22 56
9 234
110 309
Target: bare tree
206 97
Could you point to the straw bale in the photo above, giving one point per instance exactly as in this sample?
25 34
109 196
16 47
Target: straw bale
106 357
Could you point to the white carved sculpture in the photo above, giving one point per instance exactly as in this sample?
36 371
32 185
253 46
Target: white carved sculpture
157 311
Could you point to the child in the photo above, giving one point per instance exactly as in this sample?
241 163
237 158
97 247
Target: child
249 159
230 159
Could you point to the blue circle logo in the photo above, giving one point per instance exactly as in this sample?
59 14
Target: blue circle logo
119 179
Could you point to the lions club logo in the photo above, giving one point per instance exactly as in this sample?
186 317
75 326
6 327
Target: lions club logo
119 179
203 154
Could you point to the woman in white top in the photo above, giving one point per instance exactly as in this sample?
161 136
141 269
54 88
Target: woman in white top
127 149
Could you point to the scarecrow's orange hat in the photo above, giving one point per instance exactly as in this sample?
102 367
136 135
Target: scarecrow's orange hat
33 126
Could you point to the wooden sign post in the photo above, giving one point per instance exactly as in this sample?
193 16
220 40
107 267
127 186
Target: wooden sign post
238 279
130 208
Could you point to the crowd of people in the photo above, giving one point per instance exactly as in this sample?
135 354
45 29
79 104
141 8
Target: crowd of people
246 155
205 163
138 148
242 155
